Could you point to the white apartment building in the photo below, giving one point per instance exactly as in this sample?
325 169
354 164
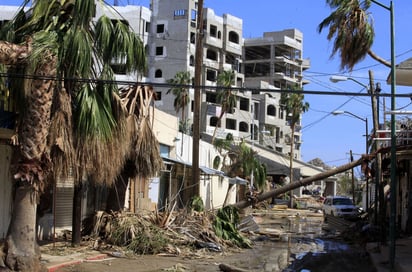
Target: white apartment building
273 62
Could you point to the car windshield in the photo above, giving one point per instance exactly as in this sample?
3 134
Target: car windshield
342 201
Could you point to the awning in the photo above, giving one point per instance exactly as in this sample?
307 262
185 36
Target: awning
279 164
238 180
211 171
204 169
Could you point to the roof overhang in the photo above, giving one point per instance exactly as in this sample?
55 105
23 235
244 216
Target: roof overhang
403 73
203 169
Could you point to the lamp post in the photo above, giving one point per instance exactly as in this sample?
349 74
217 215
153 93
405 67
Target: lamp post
393 186
336 79
366 148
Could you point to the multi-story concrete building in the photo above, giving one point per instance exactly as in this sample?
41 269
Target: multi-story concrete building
276 58
273 62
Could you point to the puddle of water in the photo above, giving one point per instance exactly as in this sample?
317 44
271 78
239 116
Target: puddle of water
299 236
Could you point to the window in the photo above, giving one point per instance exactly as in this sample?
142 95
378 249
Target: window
211 75
271 110
158 73
244 104
193 15
211 54
213 31
179 13
158 96
230 123
233 37
160 28
118 68
192 38
214 121
244 127
192 60
159 51
211 97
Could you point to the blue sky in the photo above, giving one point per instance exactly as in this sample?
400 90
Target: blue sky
325 136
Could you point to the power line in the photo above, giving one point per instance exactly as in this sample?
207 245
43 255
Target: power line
169 85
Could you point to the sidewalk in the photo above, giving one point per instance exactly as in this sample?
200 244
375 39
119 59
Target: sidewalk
53 263
60 254
403 255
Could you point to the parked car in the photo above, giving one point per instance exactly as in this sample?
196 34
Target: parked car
341 206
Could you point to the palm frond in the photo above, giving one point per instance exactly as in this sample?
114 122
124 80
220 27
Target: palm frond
84 10
78 48
60 138
94 115
116 42
42 42
352 28
145 149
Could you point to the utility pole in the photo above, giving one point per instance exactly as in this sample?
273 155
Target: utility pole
353 179
378 159
197 98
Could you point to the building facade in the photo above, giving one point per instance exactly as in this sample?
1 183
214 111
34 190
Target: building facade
273 63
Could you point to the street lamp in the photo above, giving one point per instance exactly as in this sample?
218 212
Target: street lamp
360 118
336 79
393 186
366 149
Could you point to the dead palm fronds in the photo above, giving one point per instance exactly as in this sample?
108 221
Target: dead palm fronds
109 154
144 147
60 136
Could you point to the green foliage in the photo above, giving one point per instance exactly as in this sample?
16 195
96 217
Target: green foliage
351 27
138 237
224 226
181 91
196 204
148 242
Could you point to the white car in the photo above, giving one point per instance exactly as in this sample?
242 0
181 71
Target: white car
341 206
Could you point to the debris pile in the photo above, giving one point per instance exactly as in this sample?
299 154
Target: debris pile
176 233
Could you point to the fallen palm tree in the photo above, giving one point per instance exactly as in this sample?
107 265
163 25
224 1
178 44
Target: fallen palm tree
296 184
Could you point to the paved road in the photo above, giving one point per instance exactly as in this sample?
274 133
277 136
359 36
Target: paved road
337 223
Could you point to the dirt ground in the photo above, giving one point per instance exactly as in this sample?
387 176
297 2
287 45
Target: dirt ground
309 245
266 255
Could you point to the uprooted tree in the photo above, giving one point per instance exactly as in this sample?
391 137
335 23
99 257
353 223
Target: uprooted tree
296 184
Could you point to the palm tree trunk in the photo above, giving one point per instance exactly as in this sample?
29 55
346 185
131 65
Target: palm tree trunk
217 126
292 141
379 59
23 253
31 162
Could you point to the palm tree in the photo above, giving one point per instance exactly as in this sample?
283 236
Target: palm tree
70 119
226 97
182 98
352 27
294 105
239 160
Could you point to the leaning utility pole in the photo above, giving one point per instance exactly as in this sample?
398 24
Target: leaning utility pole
197 98
378 205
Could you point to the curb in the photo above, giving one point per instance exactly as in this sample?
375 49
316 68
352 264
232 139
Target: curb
55 267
